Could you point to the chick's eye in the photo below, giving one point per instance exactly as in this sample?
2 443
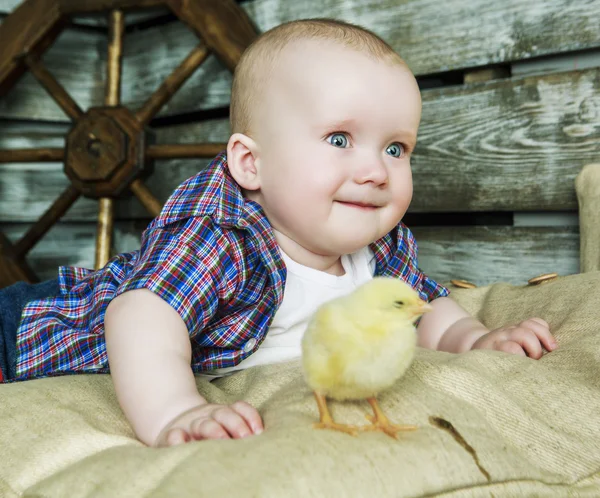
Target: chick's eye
338 140
398 304
396 149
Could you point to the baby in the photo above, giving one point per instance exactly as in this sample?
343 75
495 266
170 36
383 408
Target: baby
305 206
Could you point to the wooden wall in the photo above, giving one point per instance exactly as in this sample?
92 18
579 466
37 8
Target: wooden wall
511 113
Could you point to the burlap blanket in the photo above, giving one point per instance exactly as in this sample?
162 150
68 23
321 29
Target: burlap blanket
490 424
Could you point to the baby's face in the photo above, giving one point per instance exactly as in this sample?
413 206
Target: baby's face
335 136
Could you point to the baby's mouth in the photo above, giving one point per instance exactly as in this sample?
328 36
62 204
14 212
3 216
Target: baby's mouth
360 205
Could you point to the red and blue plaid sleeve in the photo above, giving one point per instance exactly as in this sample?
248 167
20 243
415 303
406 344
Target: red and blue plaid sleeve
187 275
396 255
428 288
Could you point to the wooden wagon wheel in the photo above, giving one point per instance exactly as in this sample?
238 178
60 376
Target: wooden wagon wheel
106 150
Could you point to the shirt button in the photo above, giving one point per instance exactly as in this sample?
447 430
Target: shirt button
249 346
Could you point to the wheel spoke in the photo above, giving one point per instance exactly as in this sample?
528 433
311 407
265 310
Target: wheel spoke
47 155
51 216
54 88
173 82
116 25
151 203
112 98
104 231
184 151
12 270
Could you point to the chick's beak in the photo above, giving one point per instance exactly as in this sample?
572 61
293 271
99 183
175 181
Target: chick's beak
421 308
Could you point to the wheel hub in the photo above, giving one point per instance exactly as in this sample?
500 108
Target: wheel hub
105 151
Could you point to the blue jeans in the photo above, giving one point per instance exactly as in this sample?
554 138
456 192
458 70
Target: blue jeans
12 301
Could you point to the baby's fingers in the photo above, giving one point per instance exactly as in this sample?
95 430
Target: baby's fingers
542 331
232 422
250 415
510 347
528 341
207 428
175 437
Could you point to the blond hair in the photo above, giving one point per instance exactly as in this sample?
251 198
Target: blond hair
258 60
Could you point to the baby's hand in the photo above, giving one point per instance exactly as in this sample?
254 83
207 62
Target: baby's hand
525 339
210 421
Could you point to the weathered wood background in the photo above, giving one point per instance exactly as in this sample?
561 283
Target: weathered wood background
511 113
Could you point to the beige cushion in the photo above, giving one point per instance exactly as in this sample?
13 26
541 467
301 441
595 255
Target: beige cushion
533 425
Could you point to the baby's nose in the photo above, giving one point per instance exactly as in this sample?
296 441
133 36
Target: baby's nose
372 172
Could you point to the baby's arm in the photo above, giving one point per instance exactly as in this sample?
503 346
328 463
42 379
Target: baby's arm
149 354
451 328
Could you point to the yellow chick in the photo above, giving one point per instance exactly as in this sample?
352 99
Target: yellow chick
358 345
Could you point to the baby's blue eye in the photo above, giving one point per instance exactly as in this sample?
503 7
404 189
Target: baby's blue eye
396 149
338 140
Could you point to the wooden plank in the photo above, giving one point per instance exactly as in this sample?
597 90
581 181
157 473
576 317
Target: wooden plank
557 63
471 33
486 74
509 145
482 255
545 219
131 17
466 33
98 20
80 6
10 5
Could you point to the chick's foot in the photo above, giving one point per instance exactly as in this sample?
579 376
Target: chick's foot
381 423
327 421
348 429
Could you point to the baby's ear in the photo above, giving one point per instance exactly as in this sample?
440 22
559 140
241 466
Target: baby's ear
242 154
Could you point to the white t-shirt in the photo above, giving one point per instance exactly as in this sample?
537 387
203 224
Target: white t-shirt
305 290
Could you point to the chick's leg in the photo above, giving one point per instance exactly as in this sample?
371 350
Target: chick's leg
381 423
327 421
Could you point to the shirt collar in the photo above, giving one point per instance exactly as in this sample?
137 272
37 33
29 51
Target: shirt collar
211 192
399 242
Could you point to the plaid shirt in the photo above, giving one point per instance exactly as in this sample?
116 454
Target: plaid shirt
212 255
